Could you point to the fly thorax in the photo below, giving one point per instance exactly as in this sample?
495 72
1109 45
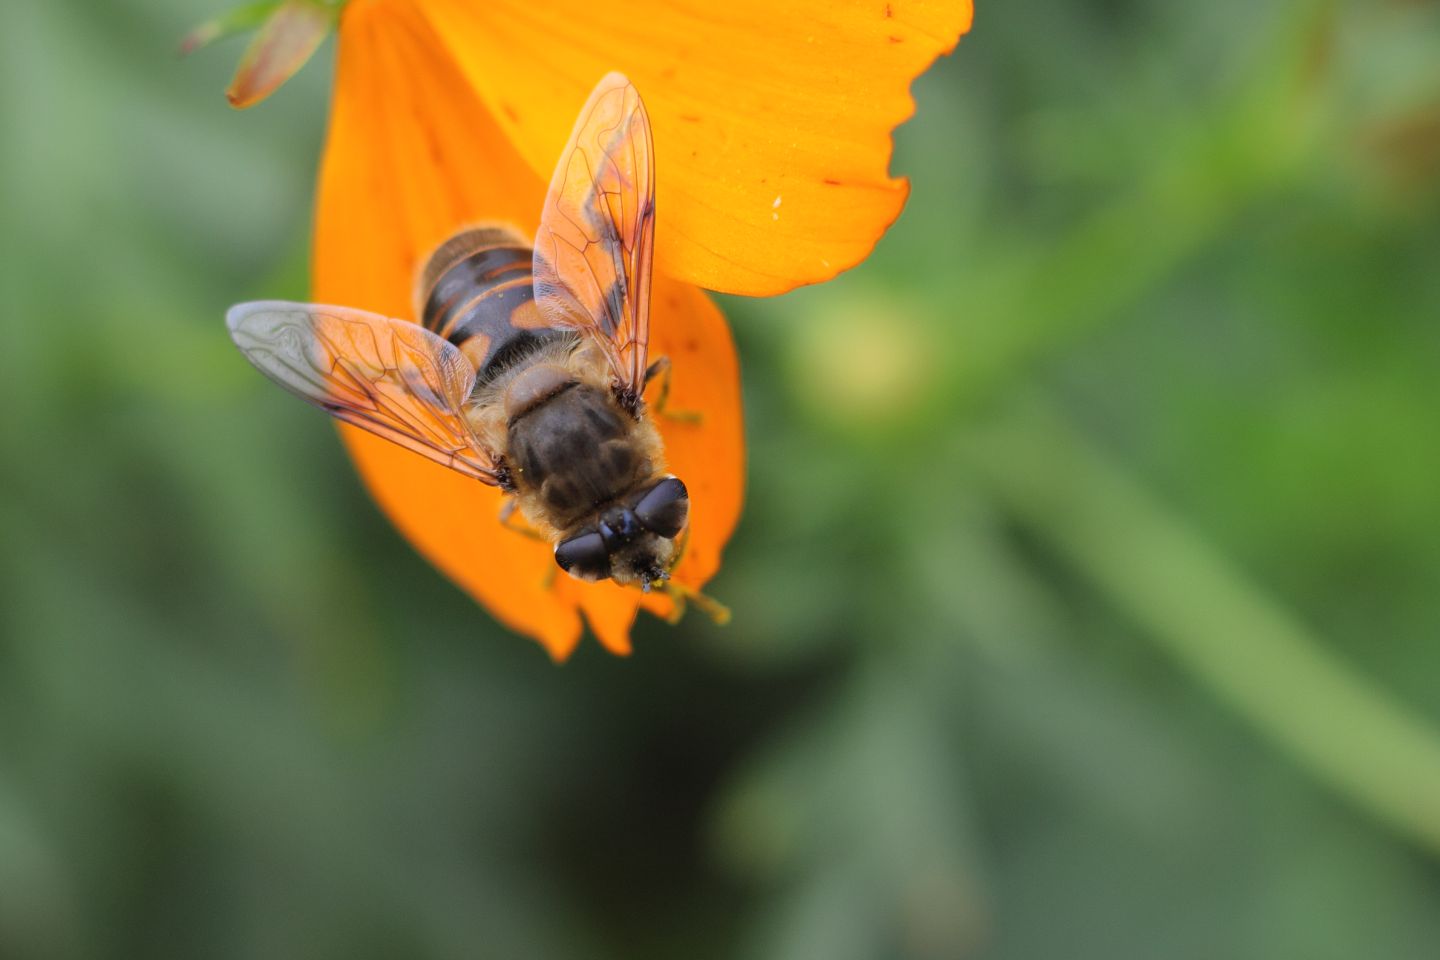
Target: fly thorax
575 450
533 386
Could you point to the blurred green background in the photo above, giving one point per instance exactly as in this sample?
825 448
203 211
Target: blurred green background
1098 618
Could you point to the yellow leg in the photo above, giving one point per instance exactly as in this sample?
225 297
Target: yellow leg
509 521
682 595
706 604
661 367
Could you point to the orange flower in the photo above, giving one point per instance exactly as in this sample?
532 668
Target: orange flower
772 141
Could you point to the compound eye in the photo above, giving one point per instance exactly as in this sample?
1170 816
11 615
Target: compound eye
584 556
664 509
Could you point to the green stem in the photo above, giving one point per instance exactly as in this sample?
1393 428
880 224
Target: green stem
1271 669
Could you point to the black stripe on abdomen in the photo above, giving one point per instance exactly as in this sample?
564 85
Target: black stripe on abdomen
484 304
470 277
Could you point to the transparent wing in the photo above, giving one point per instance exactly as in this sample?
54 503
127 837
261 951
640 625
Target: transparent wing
393 378
593 249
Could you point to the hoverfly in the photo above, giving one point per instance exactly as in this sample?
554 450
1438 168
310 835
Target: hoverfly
527 368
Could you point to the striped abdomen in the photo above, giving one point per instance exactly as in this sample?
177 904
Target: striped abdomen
476 292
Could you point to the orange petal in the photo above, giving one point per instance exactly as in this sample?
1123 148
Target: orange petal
772 120
710 455
411 155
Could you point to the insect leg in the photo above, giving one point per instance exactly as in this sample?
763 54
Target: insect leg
509 521
708 605
681 595
661 368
